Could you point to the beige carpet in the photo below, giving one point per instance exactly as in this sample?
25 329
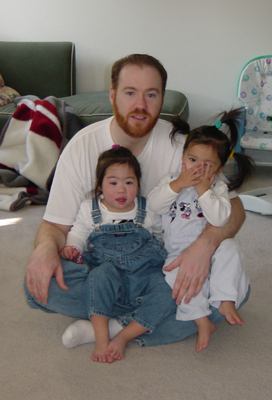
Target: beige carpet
36 366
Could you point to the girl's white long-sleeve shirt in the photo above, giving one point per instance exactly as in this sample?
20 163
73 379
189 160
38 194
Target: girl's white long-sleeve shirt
215 202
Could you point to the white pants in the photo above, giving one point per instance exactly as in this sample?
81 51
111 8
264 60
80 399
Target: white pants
227 280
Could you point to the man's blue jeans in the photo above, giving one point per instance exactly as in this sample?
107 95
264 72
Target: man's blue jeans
72 302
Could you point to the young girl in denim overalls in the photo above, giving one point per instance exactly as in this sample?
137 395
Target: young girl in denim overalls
126 258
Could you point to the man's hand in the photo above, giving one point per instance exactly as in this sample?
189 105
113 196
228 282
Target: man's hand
193 264
42 265
45 262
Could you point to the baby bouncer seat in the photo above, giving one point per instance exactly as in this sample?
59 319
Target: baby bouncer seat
255 92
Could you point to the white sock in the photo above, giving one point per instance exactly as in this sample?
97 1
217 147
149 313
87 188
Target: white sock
81 332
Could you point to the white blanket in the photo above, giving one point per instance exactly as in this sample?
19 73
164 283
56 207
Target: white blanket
31 143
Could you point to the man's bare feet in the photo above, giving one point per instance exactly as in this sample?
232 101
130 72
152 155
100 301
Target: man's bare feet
205 329
116 347
99 353
227 308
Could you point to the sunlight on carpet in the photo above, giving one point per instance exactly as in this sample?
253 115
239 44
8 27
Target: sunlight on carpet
9 221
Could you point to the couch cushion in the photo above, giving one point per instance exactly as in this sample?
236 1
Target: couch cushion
95 106
39 68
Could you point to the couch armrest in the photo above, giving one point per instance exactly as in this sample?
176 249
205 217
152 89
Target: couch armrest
39 68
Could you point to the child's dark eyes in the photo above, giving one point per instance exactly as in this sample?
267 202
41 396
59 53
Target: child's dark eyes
127 183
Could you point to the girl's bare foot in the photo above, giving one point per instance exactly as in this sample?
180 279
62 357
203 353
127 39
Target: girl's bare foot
205 330
116 347
99 353
227 308
102 336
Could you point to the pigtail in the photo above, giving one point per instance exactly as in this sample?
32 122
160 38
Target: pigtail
179 127
234 119
245 168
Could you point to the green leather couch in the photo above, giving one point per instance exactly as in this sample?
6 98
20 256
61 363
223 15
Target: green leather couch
49 69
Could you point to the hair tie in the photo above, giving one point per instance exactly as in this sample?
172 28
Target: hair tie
217 124
115 145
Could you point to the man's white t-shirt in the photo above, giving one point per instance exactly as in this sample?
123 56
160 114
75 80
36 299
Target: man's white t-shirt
74 178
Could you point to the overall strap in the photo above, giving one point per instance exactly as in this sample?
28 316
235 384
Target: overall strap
141 211
96 213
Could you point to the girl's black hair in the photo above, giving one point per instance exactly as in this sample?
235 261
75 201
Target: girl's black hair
223 143
116 155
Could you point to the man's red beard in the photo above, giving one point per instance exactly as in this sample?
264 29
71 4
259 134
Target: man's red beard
137 130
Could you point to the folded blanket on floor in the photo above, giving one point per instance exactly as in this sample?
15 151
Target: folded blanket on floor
12 199
30 145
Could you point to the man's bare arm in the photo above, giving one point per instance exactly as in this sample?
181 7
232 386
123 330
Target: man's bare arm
44 261
194 262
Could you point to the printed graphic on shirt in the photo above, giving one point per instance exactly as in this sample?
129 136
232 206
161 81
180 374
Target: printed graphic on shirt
121 221
186 210
198 208
172 211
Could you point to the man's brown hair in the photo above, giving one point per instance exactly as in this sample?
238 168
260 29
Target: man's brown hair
140 60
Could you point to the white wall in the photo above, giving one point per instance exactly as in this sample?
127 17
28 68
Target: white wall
203 44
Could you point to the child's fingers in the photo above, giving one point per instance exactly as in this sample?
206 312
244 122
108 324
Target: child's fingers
207 171
70 253
212 178
66 254
199 172
195 170
75 253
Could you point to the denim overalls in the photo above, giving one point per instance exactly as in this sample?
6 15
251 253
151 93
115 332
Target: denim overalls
126 276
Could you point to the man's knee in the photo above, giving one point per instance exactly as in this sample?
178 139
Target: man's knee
31 301
29 298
